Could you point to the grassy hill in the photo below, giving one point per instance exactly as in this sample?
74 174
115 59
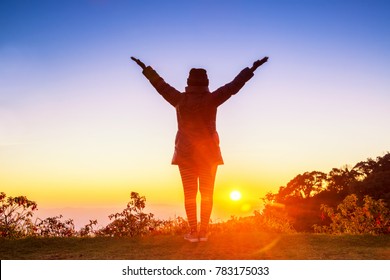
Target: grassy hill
224 246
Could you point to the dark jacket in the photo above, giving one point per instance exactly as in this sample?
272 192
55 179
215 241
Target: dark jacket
197 140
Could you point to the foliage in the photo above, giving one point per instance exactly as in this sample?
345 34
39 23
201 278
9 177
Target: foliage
304 185
305 193
132 221
54 227
15 215
234 224
372 217
274 218
88 230
178 225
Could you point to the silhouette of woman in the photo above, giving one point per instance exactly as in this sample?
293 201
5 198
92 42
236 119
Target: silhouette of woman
197 151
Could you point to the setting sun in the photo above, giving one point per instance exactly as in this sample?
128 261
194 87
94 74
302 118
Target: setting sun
235 195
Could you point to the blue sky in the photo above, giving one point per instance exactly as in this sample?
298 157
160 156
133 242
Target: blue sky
77 117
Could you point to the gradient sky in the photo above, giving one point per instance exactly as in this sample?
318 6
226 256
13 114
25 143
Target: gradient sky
80 127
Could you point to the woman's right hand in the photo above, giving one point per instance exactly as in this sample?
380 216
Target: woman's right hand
258 63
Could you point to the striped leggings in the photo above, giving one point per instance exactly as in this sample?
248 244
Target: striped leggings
191 176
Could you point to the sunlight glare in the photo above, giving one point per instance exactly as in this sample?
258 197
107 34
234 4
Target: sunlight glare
235 195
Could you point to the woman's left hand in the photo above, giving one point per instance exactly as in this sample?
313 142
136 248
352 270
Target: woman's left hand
139 62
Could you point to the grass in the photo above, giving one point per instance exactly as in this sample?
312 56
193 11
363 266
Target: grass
224 246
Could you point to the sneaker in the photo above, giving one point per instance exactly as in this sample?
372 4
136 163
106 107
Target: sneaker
203 236
191 237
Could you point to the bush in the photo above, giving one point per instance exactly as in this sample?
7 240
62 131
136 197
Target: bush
371 217
274 218
88 230
271 219
234 224
15 216
177 225
54 227
132 221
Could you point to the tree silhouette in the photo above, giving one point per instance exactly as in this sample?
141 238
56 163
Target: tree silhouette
303 185
303 196
341 179
365 168
376 182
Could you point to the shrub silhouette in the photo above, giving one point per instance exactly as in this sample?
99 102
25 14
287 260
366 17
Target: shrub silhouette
88 230
15 216
132 221
371 217
54 227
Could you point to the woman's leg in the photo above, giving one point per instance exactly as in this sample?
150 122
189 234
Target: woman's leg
189 177
206 187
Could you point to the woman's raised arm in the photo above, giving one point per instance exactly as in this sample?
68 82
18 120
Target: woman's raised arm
168 92
225 92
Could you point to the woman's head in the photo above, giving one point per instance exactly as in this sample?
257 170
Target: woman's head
197 77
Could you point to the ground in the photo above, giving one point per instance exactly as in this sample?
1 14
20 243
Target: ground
225 246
